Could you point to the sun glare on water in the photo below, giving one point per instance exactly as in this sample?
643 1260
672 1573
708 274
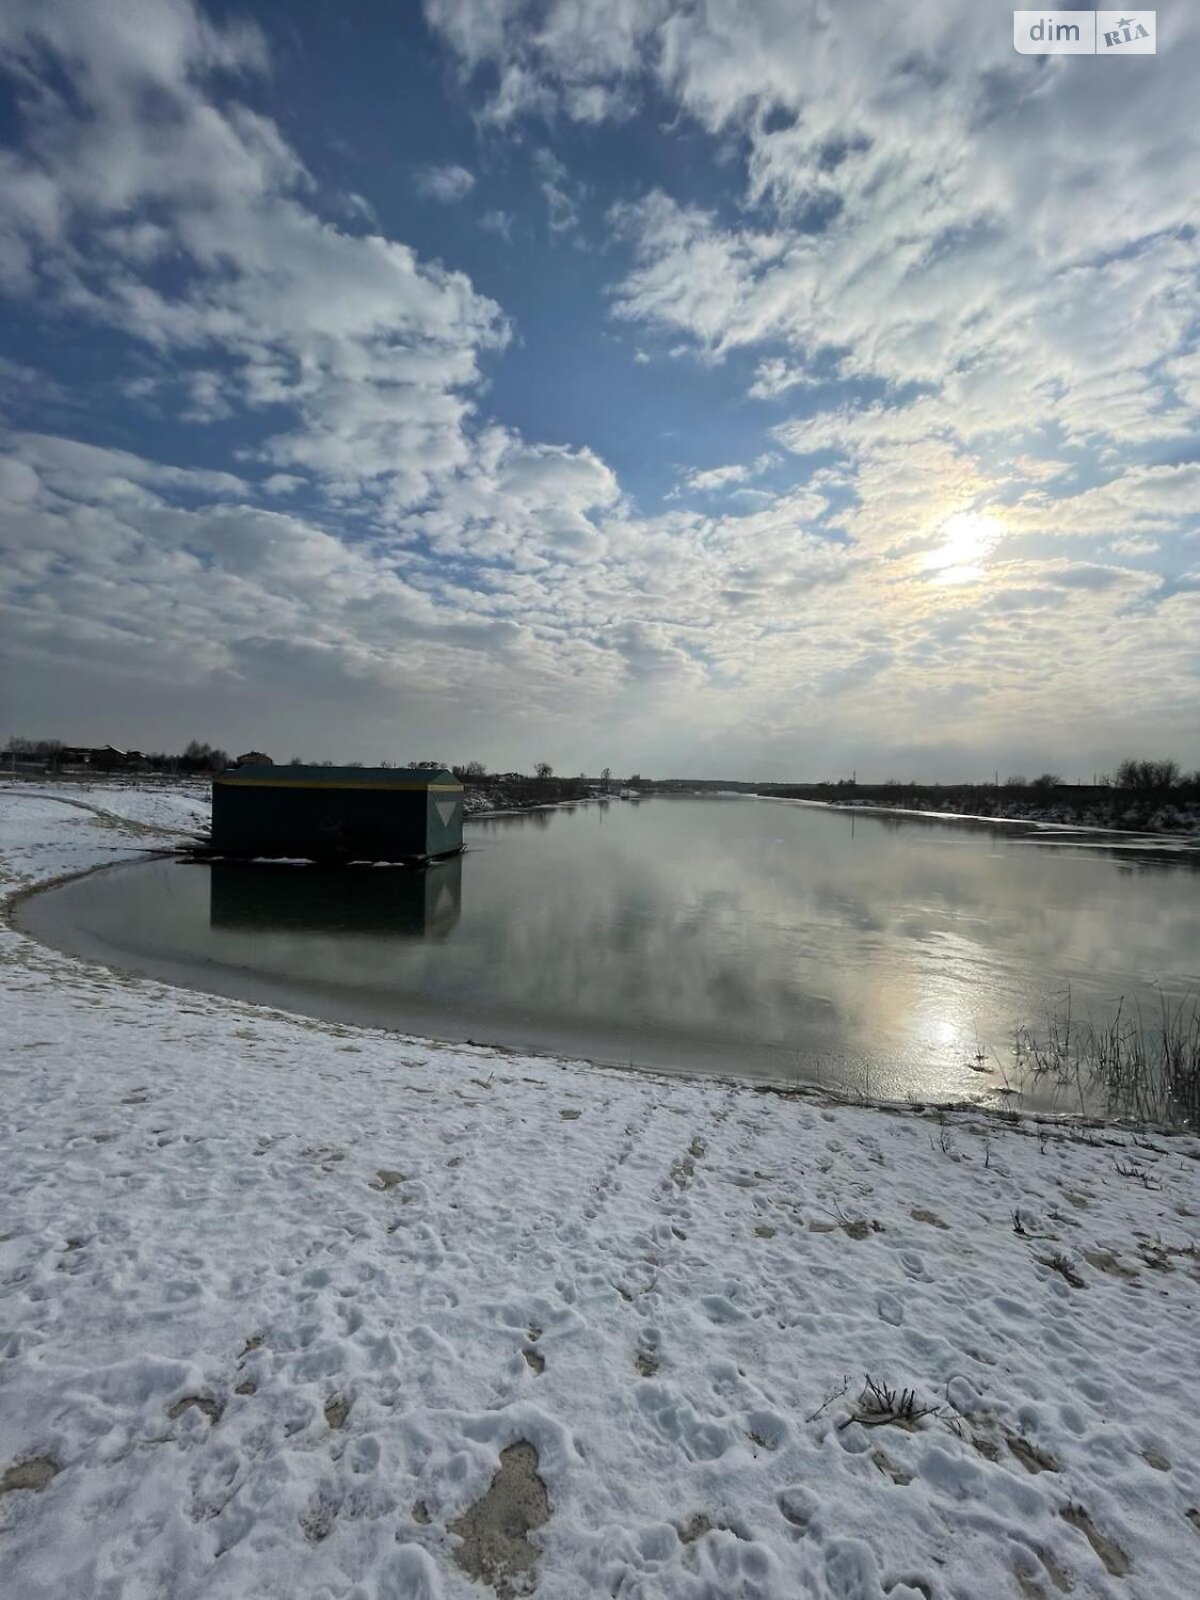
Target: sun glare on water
969 538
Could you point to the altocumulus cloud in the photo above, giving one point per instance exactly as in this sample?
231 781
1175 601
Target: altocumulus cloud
980 494
446 183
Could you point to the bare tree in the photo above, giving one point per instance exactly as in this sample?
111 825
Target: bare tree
544 770
199 756
1147 774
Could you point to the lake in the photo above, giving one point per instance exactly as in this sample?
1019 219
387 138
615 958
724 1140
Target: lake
766 940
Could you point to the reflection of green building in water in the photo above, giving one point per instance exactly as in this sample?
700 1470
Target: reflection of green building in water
398 902
337 813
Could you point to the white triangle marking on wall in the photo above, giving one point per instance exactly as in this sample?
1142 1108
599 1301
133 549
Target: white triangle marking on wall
445 809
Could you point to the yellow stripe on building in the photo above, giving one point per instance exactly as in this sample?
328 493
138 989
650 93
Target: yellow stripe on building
339 783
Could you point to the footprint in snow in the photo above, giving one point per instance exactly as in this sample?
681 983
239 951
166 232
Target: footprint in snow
721 1310
1028 1454
1106 1261
205 1404
1113 1557
1031 1588
920 1214
337 1409
890 1309
35 1474
494 1533
798 1506
888 1467
766 1430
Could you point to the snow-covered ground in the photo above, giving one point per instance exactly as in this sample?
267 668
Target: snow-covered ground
281 1302
48 830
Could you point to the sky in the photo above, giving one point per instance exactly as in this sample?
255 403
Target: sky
692 387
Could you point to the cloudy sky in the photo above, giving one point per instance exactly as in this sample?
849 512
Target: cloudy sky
744 387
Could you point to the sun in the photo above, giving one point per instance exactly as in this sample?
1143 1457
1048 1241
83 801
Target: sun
969 537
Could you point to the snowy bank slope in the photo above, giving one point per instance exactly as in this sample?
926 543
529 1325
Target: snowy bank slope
46 831
275 1295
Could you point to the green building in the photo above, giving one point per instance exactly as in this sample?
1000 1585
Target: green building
337 813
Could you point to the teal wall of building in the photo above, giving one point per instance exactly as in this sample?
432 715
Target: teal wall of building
337 813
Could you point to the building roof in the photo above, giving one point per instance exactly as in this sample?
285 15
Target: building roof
396 778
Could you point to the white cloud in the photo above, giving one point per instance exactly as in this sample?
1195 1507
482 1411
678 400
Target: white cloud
374 351
691 277
704 481
282 483
499 222
891 227
446 184
575 56
208 400
709 480
774 376
920 209
561 193
529 584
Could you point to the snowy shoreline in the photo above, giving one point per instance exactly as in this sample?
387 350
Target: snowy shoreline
279 1297
1183 834
1052 828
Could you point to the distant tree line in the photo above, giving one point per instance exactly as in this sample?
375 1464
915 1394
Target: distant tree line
199 757
1141 776
1043 782
55 755
543 772
1133 775
1152 775
49 752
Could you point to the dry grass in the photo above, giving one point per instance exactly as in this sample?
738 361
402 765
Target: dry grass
1142 1070
878 1406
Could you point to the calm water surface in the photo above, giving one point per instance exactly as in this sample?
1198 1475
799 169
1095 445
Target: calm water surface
749 937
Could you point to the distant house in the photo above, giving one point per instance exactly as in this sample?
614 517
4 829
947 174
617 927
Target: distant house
253 758
55 757
110 759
